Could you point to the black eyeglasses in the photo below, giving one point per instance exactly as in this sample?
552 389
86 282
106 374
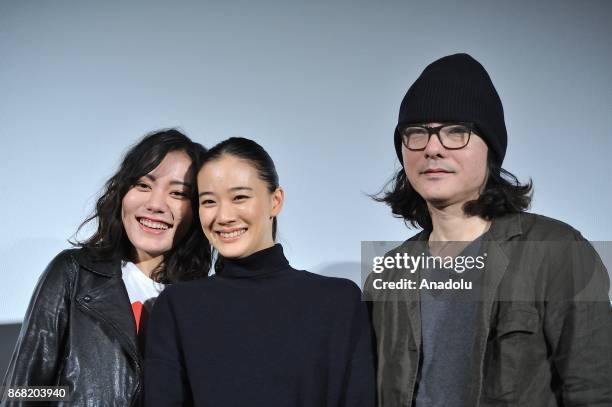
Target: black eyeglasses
452 136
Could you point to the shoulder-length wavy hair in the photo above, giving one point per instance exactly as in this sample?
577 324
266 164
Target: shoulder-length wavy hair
189 258
503 194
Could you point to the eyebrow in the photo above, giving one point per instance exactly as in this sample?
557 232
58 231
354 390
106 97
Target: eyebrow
234 189
173 182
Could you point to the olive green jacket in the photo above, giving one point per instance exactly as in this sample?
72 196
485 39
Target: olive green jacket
543 335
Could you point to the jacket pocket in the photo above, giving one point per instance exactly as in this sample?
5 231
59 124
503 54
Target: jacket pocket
508 353
518 321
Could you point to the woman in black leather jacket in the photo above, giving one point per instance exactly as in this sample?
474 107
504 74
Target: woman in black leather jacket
82 329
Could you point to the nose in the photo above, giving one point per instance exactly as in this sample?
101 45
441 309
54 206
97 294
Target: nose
225 214
434 147
156 202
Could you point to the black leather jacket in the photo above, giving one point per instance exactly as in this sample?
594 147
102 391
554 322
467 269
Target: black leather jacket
79 331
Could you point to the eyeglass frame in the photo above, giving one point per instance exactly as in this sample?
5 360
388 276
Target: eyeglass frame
436 130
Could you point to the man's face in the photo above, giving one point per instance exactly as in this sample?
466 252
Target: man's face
445 177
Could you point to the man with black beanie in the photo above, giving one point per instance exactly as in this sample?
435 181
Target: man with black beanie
513 309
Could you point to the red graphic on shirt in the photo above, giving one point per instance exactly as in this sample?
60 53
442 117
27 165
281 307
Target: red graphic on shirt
139 313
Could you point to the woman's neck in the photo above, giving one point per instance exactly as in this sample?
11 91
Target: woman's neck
147 264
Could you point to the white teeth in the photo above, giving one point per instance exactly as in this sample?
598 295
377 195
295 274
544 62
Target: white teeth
153 225
230 235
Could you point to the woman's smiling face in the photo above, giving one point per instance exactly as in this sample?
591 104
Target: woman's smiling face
236 206
156 212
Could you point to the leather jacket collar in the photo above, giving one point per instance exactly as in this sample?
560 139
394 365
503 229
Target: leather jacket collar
106 267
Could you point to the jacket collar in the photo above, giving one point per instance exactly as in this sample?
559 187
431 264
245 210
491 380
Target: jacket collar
109 267
107 300
506 227
502 229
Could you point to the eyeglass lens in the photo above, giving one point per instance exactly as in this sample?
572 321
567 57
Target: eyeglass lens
451 136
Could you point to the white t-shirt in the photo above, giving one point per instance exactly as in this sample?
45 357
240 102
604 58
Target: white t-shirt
142 291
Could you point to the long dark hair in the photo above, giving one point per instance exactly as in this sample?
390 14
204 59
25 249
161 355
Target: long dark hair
502 194
188 259
255 154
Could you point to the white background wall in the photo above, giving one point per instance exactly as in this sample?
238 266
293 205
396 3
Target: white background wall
317 83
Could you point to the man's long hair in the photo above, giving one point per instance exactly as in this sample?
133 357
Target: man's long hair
502 194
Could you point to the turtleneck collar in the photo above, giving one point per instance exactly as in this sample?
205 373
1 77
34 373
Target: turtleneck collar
261 263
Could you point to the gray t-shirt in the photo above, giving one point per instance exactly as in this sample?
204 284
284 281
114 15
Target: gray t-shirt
447 329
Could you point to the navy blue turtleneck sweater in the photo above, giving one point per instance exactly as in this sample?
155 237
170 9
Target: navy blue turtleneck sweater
260 334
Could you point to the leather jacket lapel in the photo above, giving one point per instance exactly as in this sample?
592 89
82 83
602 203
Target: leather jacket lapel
107 300
109 303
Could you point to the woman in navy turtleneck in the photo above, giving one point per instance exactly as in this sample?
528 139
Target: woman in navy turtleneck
258 333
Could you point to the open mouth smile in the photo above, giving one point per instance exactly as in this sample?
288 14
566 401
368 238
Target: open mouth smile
153 226
232 235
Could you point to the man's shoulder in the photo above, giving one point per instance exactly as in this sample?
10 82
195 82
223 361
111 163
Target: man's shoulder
407 245
544 228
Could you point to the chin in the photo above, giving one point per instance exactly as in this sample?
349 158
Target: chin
438 193
435 197
152 244
231 251
438 200
157 247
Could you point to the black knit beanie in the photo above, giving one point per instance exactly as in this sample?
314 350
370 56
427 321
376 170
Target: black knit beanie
456 88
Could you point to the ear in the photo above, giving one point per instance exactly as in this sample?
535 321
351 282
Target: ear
278 198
